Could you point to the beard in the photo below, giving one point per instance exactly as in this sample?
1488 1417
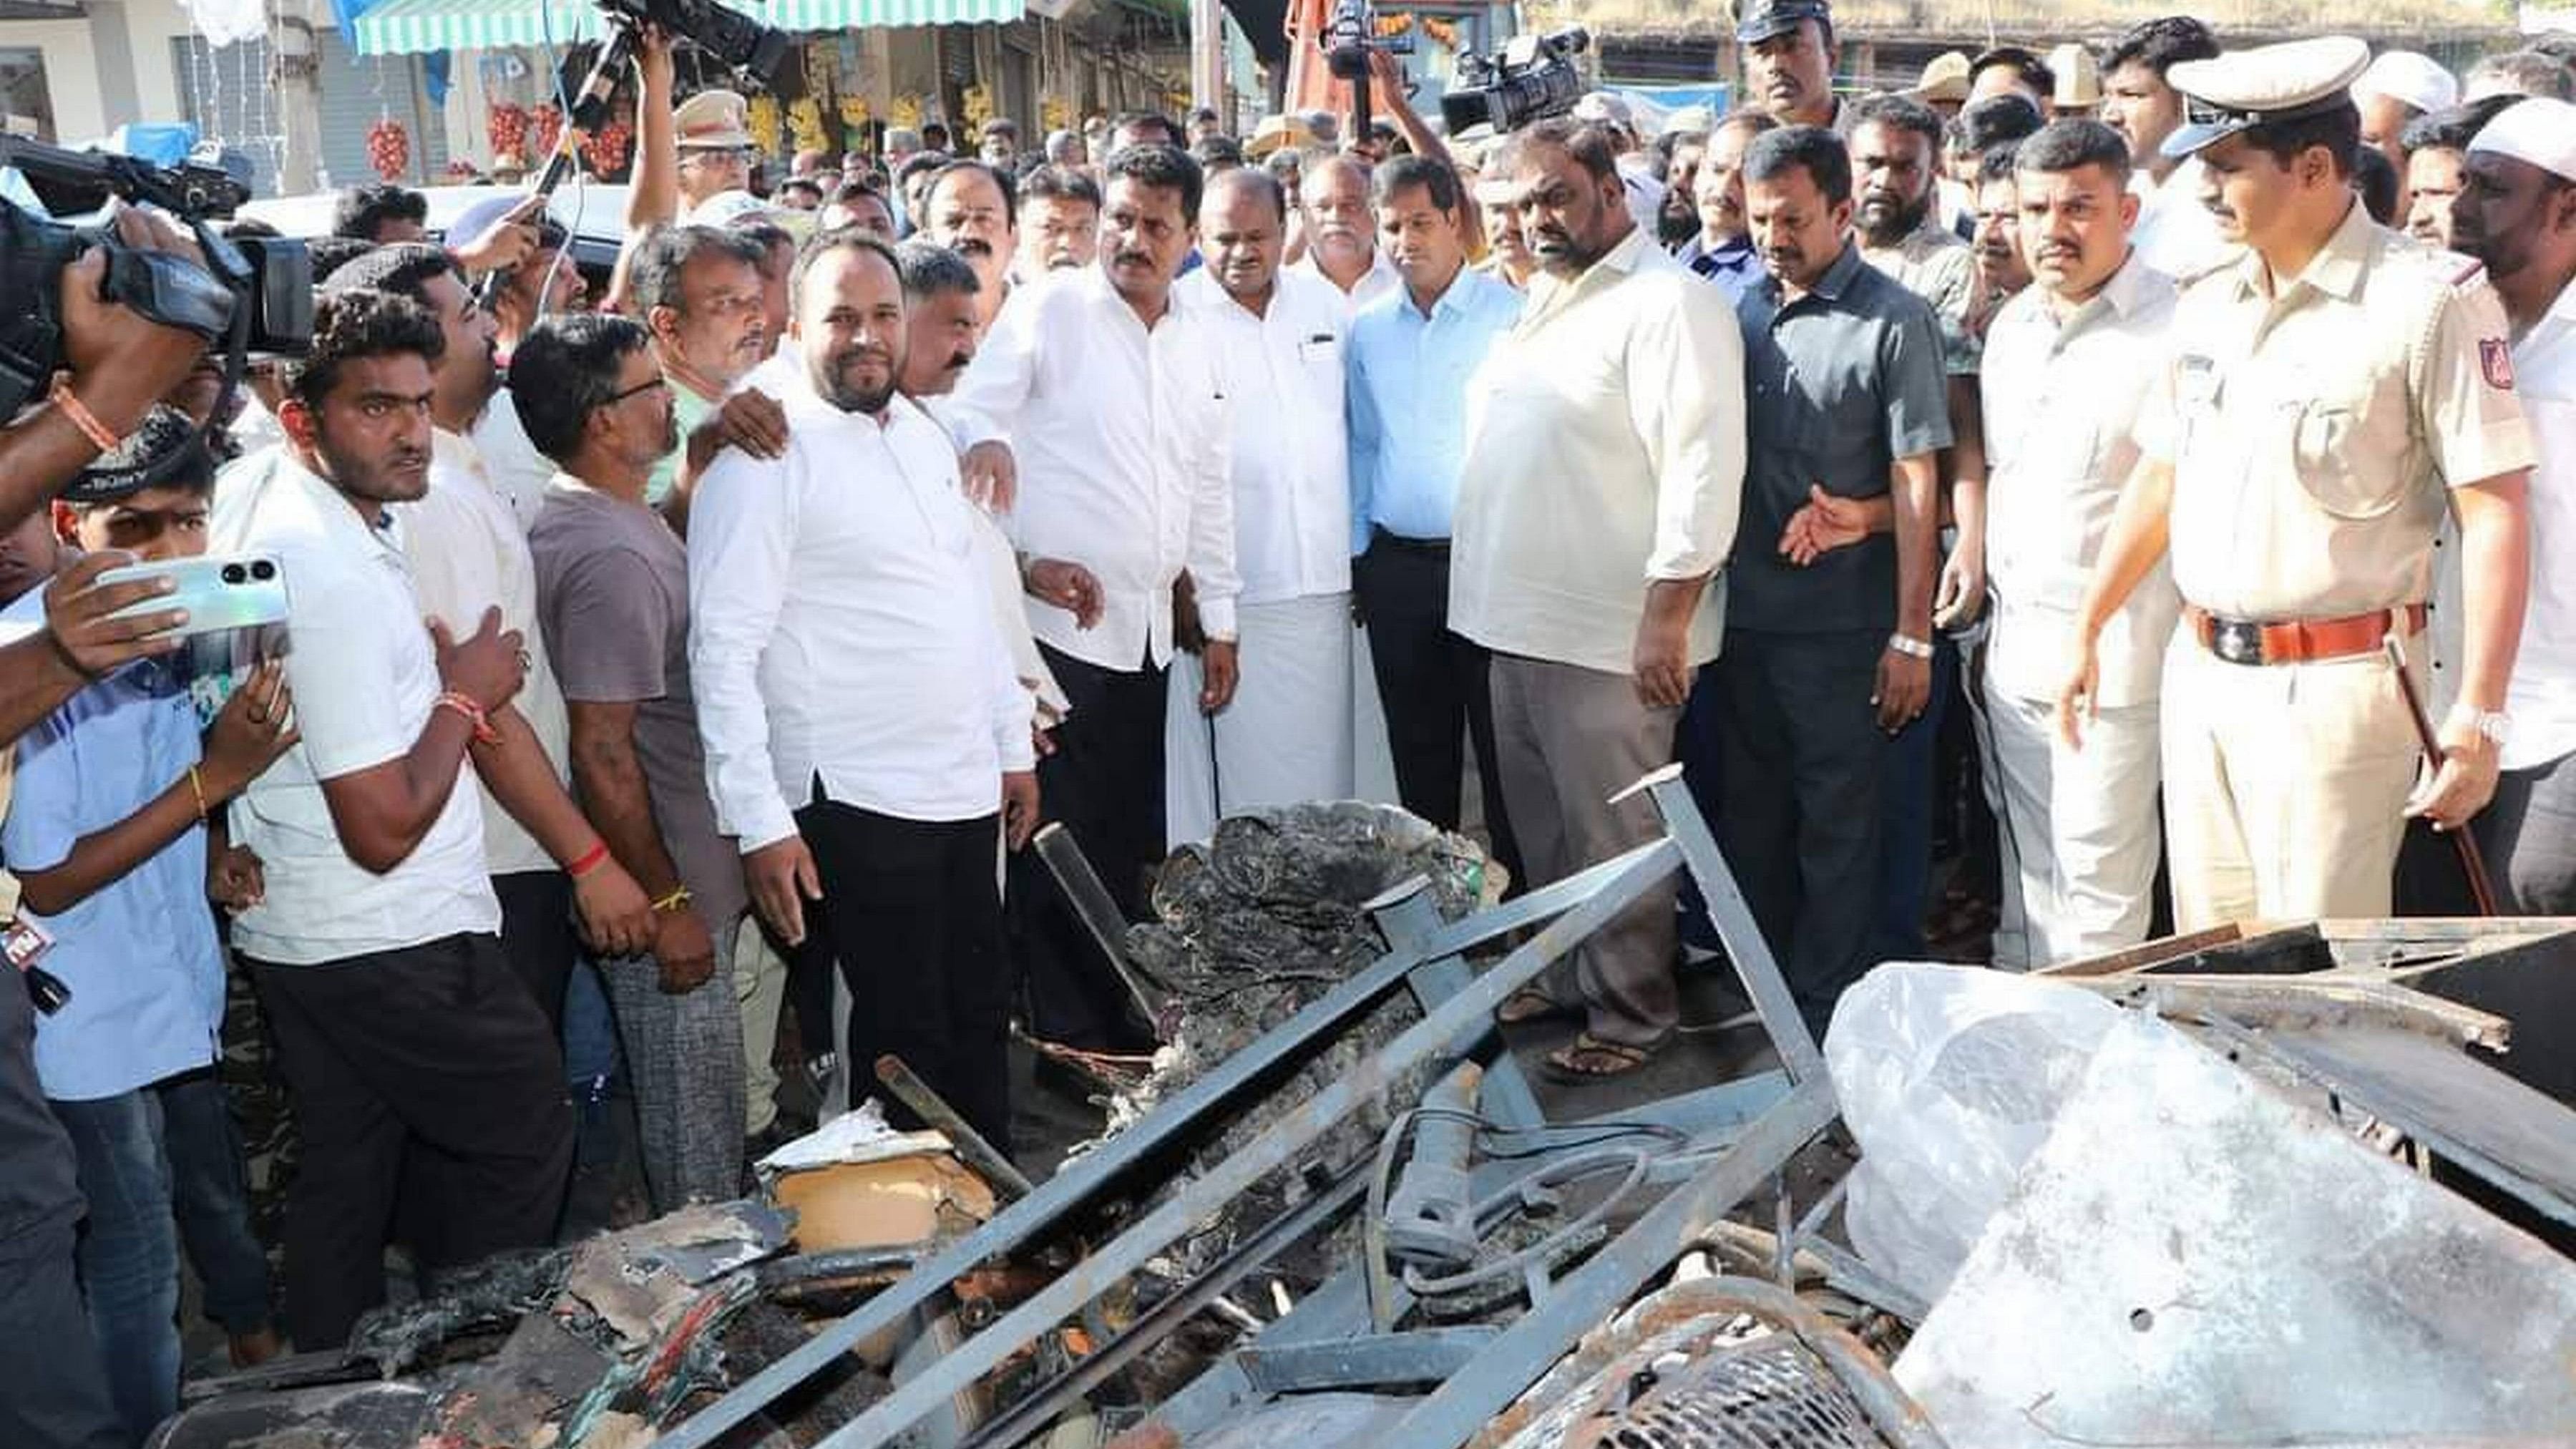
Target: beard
1900 219
832 380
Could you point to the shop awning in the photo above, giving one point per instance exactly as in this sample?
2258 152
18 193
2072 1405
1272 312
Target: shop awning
397 27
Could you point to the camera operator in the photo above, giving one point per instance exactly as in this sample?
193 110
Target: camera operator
117 363
108 830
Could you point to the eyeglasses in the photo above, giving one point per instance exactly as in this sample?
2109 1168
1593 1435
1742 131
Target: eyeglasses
640 388
717 155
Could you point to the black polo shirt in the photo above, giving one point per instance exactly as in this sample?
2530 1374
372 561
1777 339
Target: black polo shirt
1839 384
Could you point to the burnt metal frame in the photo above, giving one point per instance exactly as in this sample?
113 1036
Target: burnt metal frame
1458 1009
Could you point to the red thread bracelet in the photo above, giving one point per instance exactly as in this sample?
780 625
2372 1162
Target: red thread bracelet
589 860
475 716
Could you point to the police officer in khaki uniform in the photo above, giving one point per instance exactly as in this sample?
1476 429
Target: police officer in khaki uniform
2331 397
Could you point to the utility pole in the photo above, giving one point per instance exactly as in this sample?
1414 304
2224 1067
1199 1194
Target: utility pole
295 74
1207 58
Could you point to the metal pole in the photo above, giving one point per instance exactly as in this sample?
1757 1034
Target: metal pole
1746 951
1009 1184
1093 1172
1040 1408
1277 1145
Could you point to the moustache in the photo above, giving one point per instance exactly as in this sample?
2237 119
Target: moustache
1134 259
1063 262
406 459
974 247
960 361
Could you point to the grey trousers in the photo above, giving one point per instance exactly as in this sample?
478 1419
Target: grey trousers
1566 739
2528 833
684 1063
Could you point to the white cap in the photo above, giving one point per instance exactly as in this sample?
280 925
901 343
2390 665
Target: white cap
2541 130
2410 76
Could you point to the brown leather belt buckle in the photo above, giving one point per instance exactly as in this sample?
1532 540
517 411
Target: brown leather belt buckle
2238 641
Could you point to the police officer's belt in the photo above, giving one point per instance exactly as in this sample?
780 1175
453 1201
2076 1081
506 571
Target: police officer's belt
2299 641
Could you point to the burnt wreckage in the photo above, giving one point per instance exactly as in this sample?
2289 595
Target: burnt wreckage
1335 1209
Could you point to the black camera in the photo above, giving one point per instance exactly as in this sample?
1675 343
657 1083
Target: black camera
1350 35
1534 77
250 296
729 35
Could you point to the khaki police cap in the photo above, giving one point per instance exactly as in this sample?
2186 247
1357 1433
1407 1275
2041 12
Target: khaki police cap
714 120
1945 78
2247 88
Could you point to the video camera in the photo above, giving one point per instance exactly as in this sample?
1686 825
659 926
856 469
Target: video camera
1350 35
727 34
250 296
1534 77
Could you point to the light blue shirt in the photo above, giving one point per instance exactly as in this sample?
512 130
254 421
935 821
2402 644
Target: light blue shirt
139 954
1407 401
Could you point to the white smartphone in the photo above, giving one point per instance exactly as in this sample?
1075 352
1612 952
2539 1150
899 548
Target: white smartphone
220 594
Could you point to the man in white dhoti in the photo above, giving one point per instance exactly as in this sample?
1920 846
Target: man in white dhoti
1277 336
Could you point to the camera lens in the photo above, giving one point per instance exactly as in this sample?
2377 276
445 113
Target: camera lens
235 573
263 570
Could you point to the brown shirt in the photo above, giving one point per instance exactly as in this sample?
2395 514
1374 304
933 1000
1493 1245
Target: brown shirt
2314 427
613 595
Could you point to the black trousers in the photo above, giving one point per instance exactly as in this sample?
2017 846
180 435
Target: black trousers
917 913
1432 683
537 934
427 1070
1803 759
1104 783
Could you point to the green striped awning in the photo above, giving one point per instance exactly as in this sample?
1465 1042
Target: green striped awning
397 27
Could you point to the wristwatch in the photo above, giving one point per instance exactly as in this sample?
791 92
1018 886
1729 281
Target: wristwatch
1911 647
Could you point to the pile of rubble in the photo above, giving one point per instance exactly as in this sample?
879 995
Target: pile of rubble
2313 1185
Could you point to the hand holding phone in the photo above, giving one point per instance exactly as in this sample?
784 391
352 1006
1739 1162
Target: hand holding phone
217 594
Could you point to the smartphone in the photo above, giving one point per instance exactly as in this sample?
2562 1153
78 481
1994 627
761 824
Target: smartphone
220 594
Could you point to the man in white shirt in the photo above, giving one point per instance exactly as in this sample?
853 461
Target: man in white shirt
2517 214
865 734
1109 391
1286 738
973 212
415 1054
468 553
2175 233
1340 232
1605 464
2067 361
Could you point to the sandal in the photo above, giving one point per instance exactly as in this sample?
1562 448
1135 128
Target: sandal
1529 1004
1589 1058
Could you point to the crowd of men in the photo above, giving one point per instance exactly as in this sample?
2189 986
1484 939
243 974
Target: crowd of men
736 629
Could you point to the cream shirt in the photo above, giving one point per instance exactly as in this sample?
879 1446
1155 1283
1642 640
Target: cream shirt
2314 432
1605 450
2061 400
